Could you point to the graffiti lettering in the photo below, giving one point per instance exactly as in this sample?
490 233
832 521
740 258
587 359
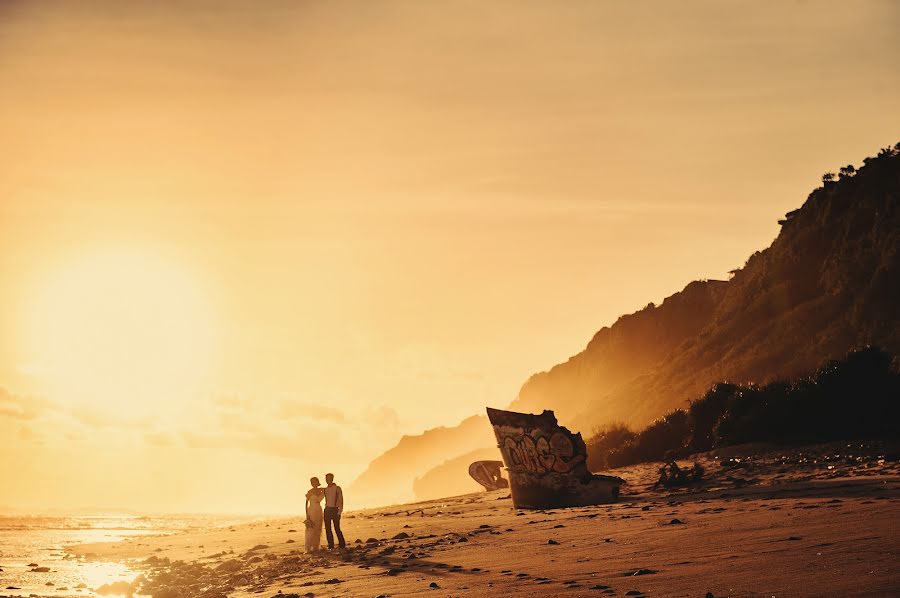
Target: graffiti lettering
537 452
547 463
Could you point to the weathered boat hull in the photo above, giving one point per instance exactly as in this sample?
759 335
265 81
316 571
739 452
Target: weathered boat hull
558 491
487 473
547 464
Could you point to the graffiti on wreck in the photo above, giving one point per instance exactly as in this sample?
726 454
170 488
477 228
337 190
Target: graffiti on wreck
547 463
538 452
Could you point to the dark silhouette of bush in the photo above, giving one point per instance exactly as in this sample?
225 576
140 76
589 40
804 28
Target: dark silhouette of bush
857 397
605 439
704 413
665 435
847 171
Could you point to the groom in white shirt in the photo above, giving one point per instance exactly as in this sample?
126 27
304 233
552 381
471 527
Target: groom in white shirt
334 506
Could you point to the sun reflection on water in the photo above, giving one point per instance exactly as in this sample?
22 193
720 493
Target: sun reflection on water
95 574
29 544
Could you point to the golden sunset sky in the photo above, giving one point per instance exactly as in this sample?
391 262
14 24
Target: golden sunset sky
242 243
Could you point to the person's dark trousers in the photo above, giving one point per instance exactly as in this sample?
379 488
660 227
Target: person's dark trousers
332 515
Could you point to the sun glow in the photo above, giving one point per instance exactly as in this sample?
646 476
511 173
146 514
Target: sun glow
121 330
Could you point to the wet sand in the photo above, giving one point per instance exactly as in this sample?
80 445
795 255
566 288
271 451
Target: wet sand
818 521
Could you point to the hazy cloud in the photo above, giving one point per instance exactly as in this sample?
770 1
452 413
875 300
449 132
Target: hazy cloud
21 407
195 440
230 402
102 418
28 435
292 409
383 418
159 438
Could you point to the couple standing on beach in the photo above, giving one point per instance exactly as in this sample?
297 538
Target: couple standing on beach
315 516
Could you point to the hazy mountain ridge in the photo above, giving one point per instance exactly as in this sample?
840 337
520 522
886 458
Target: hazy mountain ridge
618 353
388 479
451 477
829 283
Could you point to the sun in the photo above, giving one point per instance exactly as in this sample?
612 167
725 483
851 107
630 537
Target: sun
121 329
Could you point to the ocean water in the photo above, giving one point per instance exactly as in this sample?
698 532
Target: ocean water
31 542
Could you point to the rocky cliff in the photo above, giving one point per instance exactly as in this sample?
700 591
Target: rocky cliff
829 283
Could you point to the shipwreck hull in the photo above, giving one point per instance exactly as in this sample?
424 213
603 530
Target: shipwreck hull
553 492
547 464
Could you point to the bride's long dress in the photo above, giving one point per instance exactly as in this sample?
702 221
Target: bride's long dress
314 532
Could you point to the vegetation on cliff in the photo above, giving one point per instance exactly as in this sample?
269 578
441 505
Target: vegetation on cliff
854 398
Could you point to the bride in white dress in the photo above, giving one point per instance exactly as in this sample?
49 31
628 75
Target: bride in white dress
314 515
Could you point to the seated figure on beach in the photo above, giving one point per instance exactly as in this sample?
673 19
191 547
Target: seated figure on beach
314 515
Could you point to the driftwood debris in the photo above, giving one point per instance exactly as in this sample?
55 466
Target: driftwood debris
547 463
671 475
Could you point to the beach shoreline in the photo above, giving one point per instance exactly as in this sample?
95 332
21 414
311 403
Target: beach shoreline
766 521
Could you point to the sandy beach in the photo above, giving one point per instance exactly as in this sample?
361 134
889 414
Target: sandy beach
817 521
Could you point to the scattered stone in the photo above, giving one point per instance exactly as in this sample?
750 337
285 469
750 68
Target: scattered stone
634 593
434 586
41 570
229 566
552 542
394 572
676 522
639 572
401 536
